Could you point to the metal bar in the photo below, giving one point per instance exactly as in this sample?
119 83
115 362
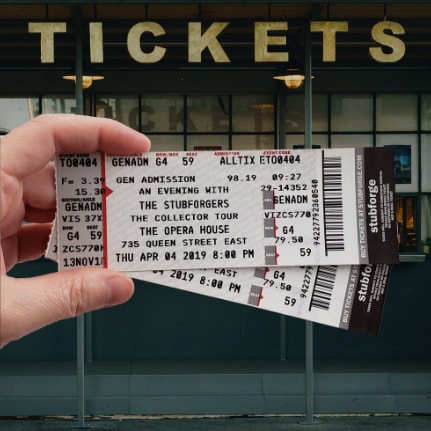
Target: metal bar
80 327
309 367
309 378
281 115
283 347
80 371
198 1
89 337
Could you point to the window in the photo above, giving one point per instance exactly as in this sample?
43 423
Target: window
295 114
196 122
396 112
253 113
352 113
176 122
58 104
15 111
399 121
124 109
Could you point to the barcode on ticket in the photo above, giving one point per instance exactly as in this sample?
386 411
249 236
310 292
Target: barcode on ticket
196 210
347 297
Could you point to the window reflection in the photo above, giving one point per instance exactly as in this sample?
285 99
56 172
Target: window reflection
16 111
207 143
252 142
167 143
295 113
253 113
164 113
208 113
124 109
59 104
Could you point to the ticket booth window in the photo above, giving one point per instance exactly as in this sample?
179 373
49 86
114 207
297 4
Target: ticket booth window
406 209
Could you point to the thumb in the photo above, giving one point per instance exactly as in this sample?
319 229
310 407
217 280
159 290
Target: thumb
28 304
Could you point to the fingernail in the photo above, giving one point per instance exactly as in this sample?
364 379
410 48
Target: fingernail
120 290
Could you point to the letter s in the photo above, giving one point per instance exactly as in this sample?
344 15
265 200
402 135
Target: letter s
380 36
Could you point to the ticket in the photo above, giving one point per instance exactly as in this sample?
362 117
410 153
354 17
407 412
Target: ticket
198 210
349 297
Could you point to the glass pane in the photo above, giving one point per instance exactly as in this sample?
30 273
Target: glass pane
320 113
162 113
351 141
396 112
16 111
167 143
252 142
297 141
253 113
426 163
406 162
208 113
124 109
295 113
207 143
406 209
426 224
426 112
353 113
58 105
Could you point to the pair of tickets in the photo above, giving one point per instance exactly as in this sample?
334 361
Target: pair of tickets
305 233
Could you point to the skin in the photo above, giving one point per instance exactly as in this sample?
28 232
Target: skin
27 194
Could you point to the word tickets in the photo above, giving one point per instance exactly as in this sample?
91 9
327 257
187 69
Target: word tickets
212 209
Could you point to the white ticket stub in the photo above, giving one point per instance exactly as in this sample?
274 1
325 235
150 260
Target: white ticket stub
349 297
196 210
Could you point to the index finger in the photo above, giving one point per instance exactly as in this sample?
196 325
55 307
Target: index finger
28 148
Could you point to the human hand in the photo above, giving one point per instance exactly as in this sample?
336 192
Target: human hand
27 194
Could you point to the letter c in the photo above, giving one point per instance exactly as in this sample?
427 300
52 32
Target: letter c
134 42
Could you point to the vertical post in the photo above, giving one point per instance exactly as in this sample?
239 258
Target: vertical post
78 61
281 143
281 117
89 337
80 320
283 352
80 371
309 368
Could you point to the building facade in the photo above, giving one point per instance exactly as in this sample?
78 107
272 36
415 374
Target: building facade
193 75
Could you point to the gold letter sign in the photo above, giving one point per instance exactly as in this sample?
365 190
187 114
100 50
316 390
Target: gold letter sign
47 30
329 28
198 42
262 40
379 35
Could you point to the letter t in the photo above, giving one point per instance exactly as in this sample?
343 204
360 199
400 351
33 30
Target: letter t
329 30
47 30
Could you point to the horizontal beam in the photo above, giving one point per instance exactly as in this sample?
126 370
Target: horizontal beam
73 2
